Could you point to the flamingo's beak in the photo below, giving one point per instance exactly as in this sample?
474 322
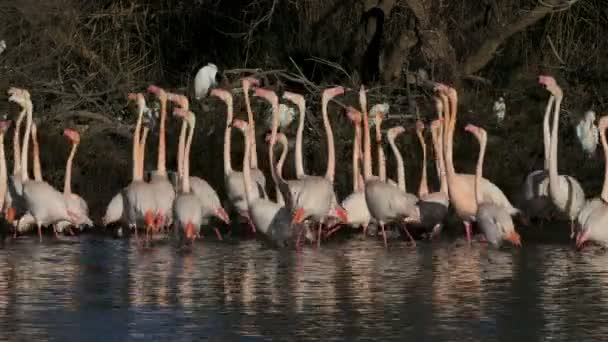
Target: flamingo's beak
190 231
10 214
342 214
298 216
222 215
514 238
581 238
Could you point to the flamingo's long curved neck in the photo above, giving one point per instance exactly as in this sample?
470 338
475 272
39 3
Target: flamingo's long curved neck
17 143
299 160
228 137
479 169
278 173
274 169
180 150
247 167
3 171
136 147
142 150
26 141
355 159
36 154
439 160
254 154
448 133
604 194
553 175
186 178
331 154
400 167
380 150
67 182
423 189
547 132
161 164
367 150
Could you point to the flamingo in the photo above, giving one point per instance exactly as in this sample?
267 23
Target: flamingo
75 203
462 186
162 187
433 206
187 207
386 202
536 201
296 185
14 202
138 196
270 218
587 133
493 220
45 203
234 179
257 174
565 191
355 205
276 170
316 197
4 126
593 218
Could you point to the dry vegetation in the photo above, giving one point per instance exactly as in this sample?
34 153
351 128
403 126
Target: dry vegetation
80 58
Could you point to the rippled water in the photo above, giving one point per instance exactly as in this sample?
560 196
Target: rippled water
98 288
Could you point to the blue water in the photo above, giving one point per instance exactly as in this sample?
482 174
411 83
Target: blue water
96 288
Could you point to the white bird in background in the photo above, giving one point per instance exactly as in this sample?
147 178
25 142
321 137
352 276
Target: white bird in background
2 46
587 133
205 79
379 107
500 109
286 116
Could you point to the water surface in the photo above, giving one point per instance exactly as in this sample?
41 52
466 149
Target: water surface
95 288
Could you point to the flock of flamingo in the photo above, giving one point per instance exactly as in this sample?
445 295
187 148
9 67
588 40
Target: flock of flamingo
306 207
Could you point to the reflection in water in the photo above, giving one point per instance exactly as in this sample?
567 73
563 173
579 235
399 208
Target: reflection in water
94 288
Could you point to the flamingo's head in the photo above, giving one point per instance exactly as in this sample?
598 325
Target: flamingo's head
478 132
186 115
10 214
435 124
179 100
267 95
551 85
419 126
297 99
330 93
240 124
4 125
189 231
72 135
393 132
19 96
158 91
249 82
353 114
221 214
441 88
603 123
222 94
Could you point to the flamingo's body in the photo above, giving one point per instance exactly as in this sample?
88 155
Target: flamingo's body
462 186
565 191
593 218
270 218
234 181
164 193
493 220
187 207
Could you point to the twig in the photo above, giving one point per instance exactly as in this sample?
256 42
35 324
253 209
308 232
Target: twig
555 51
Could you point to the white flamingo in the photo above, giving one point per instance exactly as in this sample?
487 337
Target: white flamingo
565 191
187 207
45 203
